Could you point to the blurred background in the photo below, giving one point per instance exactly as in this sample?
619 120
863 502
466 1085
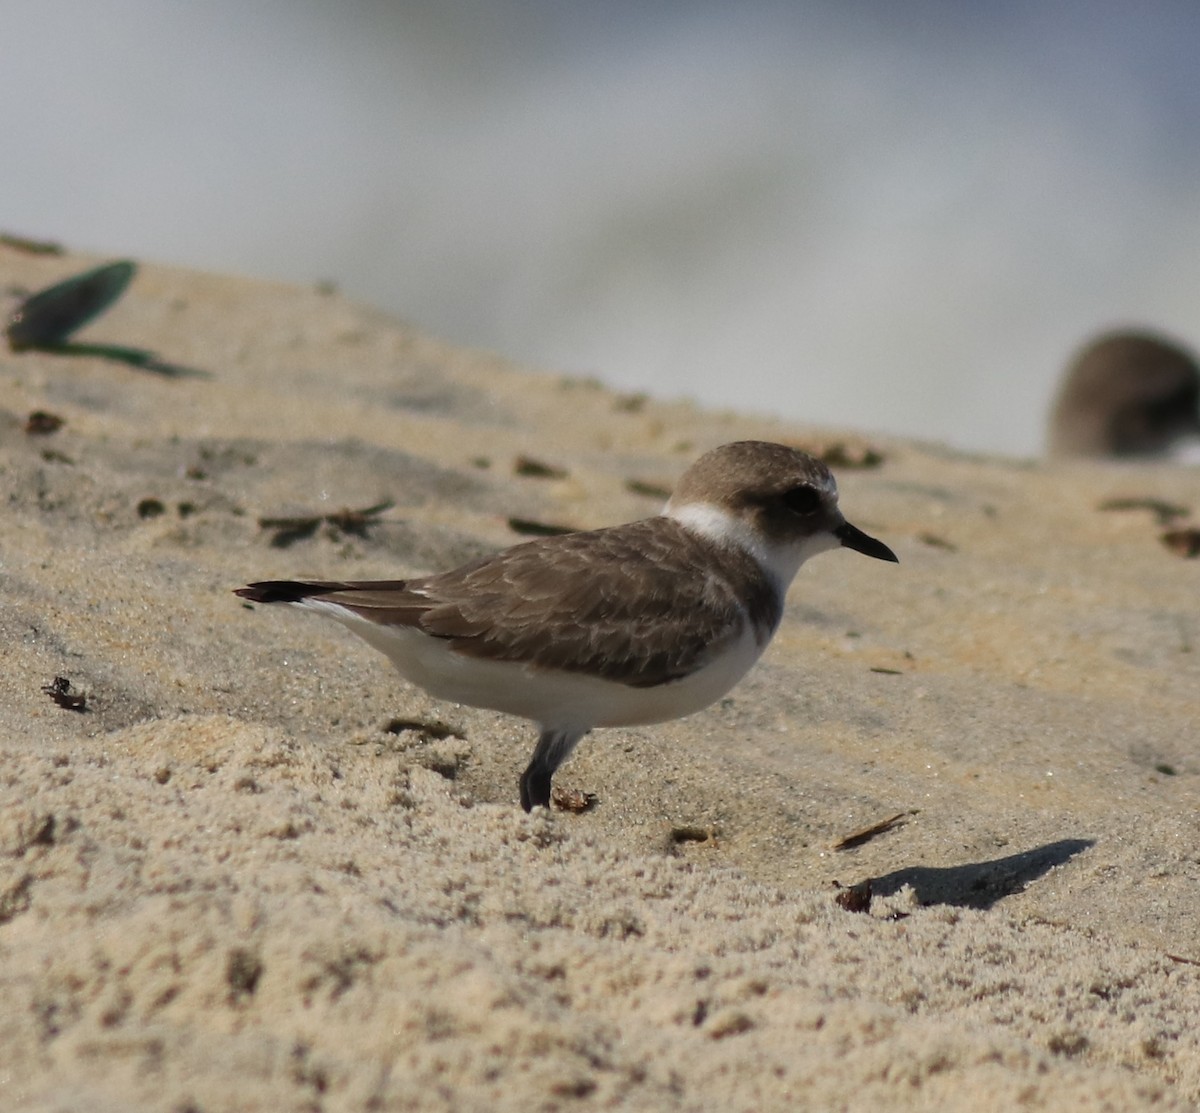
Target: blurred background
896 217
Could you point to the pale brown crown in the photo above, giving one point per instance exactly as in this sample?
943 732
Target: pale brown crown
779 492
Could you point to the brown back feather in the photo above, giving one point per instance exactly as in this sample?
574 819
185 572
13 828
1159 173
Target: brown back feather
610 611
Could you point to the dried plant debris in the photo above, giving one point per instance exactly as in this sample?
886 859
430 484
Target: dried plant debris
1182 542
573 799
856 898
630 403
531 528
29 245
650 490
858 838
537 469
357 521
41 423
693 834
936 542
1164 512
428 730
59 690
48 317
243 969
289 530
843 453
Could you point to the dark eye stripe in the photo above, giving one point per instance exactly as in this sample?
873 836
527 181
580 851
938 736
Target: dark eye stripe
802 499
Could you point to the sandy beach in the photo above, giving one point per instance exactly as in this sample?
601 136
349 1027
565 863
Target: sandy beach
255 870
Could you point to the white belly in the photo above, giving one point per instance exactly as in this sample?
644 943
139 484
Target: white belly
555 700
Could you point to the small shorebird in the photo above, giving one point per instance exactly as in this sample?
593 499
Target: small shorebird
1126 394
637 623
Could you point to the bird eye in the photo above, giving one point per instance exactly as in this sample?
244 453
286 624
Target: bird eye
802 500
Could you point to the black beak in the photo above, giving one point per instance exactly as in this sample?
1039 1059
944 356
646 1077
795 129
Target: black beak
852 537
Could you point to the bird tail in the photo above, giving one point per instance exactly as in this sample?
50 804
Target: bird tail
286 591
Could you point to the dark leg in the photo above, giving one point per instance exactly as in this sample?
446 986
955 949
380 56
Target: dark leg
553 748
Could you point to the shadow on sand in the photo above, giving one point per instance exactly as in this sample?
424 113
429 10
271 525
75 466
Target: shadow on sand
979 884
